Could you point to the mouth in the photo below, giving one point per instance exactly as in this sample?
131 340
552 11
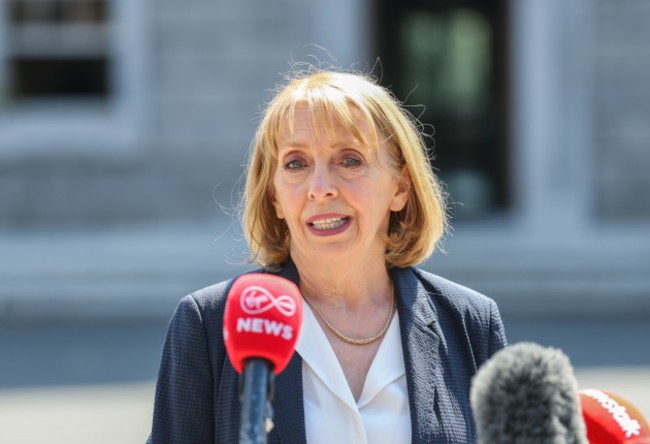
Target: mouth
330 223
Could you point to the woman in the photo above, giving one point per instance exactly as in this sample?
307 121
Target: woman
340 199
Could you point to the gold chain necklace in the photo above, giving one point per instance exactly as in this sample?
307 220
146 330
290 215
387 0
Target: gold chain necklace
348 339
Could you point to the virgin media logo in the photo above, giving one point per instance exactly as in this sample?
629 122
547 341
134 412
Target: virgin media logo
256 300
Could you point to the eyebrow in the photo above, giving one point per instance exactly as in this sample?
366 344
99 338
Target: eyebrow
292 146
338 143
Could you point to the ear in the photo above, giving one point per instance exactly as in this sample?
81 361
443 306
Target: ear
278 208
403 187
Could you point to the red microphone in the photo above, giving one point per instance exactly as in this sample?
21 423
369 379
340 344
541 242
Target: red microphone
260 328
611 419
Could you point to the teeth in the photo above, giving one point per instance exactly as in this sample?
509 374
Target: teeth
329 224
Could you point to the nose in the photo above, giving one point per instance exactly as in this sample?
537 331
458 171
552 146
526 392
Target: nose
322 184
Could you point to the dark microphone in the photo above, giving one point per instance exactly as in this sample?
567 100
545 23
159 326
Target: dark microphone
526 393
260 328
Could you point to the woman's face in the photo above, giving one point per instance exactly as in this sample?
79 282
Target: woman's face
335 193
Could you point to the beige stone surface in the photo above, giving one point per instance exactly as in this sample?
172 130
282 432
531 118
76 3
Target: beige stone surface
121 413
101 414
631 383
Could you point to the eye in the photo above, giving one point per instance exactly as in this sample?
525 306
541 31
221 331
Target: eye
351 162
294 165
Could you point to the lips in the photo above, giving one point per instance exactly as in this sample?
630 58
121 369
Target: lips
328 224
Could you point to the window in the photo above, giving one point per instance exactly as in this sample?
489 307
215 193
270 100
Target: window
449 57
57 48
71 77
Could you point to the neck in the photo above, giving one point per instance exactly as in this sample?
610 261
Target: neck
351 286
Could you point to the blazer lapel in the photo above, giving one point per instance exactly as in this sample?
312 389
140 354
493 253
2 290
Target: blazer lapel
288 406
420 341
287 403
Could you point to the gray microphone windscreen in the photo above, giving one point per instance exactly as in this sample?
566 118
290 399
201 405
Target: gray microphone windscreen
527 393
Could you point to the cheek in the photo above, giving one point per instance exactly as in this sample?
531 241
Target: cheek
286 199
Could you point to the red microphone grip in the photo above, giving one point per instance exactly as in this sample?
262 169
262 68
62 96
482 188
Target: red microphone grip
262 320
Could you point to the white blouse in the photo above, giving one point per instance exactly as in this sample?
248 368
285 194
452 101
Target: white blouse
331 414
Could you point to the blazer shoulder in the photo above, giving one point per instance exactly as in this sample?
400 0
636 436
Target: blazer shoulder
213 297
479 313
453 294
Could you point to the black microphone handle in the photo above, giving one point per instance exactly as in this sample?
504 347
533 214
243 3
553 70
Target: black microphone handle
256 393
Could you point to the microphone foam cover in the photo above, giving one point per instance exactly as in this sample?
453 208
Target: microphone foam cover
610 419
262 319
526 393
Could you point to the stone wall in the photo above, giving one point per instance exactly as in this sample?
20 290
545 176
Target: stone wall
208 68
621 109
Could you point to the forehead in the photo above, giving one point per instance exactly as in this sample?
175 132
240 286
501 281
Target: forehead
306 123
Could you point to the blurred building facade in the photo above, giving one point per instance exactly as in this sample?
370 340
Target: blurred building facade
124 125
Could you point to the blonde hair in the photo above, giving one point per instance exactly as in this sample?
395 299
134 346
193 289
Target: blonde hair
332 96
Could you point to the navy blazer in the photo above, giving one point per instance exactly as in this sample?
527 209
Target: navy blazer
447 332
